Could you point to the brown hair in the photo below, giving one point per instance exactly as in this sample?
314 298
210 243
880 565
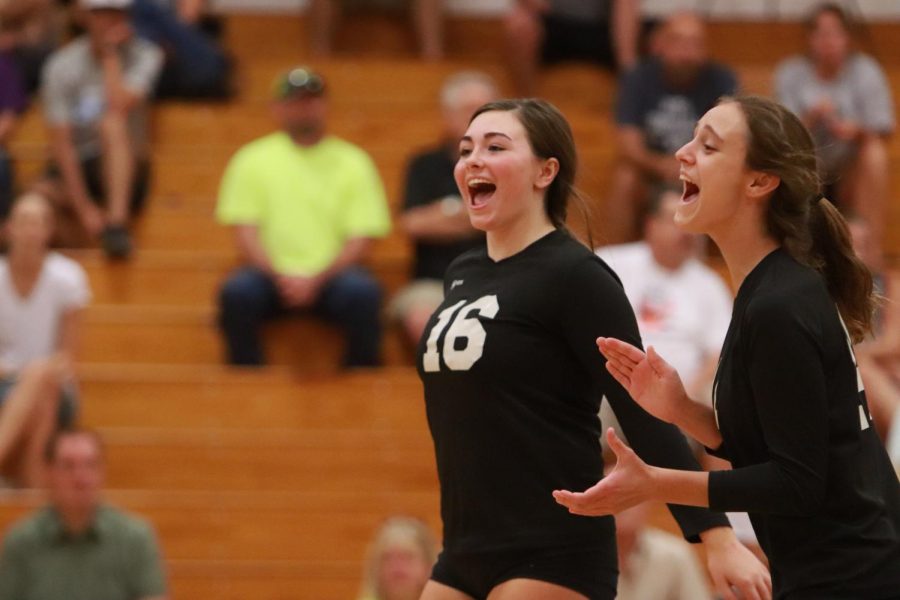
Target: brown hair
52 446
550 136
832 8
803 221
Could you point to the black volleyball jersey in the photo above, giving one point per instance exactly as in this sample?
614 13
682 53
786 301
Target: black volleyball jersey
513 381
808 466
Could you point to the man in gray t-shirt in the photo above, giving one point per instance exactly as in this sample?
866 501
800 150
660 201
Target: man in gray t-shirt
844 98
95 93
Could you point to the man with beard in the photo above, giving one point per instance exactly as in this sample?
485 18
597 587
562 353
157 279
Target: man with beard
305 207
659 102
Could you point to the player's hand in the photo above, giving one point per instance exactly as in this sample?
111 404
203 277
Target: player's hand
649 380
736 572
630 483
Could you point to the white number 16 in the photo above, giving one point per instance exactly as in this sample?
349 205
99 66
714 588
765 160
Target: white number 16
462 326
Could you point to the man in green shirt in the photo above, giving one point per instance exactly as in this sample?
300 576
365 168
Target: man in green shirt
78 548
305 207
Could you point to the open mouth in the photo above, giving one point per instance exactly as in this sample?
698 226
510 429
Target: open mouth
480 191
691 191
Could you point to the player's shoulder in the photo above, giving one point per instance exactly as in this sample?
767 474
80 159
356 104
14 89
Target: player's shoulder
783 289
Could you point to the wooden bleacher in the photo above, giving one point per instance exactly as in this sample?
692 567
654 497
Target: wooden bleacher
268 484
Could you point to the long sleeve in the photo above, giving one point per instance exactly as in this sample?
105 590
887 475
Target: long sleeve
595 305
787 377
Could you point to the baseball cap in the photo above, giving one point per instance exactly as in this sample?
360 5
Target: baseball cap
107 4
300 81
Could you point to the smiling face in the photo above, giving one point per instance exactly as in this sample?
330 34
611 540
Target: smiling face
500 179
713 170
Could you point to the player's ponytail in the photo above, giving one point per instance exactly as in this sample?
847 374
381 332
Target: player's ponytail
806 224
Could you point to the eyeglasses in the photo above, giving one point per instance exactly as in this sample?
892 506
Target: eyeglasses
300 81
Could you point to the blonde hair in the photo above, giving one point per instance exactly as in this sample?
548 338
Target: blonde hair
396 531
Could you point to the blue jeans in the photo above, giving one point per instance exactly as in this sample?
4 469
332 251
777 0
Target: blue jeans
196 64
351 300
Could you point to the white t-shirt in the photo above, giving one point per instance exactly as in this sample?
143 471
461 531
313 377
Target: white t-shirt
29 327
684 314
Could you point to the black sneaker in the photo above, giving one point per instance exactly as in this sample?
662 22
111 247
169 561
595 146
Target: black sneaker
116 241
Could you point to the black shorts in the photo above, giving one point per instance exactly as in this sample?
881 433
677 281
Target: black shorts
92 171
568 39
583 570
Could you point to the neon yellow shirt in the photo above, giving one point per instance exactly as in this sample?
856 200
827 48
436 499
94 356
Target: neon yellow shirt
306 201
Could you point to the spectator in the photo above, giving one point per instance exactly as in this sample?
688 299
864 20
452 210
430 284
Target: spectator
42 295
324 15
844 99
655 564
194 67
399 561
95 99
305 207
549 31
12 104
433 214
78 547
659 102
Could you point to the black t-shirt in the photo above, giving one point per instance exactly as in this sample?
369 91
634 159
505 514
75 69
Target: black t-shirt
809 467
665 114
513 382
429 178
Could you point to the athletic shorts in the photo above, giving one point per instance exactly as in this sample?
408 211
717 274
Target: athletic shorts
92 171
583 570
68 400
568 39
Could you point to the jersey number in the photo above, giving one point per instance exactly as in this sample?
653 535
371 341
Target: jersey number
465 332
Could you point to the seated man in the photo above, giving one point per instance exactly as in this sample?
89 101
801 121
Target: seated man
550 31
433 214
659 103
682 306
78 547
95 100
844 99
305 207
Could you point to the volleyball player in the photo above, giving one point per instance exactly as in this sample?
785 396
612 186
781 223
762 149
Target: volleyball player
513 384
789 410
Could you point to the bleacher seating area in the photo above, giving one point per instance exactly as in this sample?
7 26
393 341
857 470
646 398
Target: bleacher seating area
268 484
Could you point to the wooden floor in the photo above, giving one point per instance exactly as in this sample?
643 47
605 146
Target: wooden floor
267 484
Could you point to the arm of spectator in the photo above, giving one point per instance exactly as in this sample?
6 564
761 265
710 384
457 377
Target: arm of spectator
302 290
445 220
625 23
246 237
121 99
69 336
633 149
76 191
8 121
190 11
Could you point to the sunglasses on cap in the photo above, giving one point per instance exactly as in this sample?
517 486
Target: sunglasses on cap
300 82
